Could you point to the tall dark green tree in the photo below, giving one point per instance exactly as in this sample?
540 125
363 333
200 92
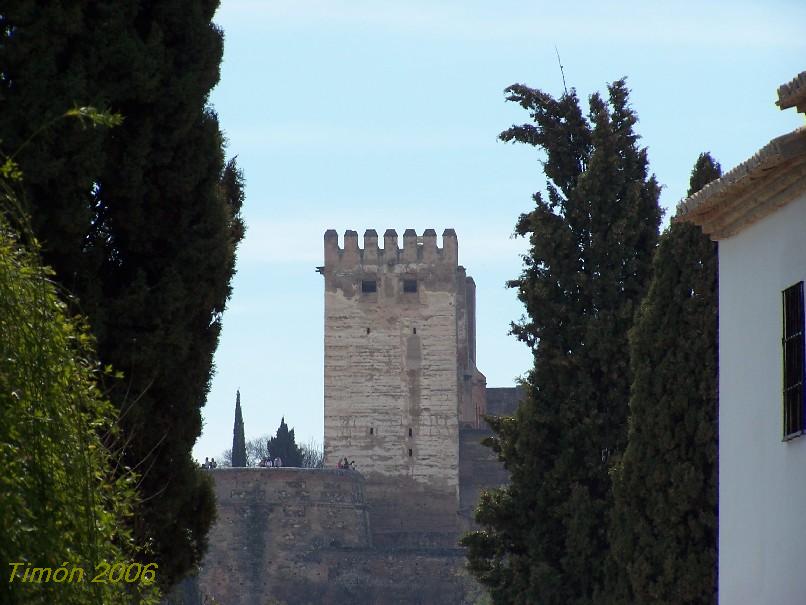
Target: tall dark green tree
238 441
285 446
544 538
141 226
664 521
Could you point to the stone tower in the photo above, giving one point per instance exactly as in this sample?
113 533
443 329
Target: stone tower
400 376
403 399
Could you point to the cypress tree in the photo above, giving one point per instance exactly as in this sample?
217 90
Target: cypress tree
544 538
141 226
284 445
238 441
48 63
664 522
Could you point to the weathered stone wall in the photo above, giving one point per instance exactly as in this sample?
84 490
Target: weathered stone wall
302 537
271 521
503 401
472 382
408 514
391 379
479 469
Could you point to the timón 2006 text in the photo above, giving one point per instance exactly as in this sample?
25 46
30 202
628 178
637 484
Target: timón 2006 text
105 573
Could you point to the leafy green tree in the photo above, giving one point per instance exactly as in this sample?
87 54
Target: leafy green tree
544 536
238 453
141 225
62 502
284 446
664 521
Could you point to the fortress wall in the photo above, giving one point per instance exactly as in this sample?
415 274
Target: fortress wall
479 469
302 537
503 401
407 514
269 523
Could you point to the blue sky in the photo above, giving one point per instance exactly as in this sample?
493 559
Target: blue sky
384 114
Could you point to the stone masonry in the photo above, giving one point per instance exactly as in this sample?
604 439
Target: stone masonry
400 377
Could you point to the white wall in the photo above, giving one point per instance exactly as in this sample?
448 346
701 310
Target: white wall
762 480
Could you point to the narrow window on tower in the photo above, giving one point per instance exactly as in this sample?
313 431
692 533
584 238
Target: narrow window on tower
410 433
414 330
368 286
371 430
793 345
410 452
409 286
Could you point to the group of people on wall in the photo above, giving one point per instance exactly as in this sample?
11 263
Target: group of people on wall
343 464
265 462
269 462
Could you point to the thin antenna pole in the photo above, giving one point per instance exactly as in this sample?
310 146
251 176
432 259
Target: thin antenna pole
565 88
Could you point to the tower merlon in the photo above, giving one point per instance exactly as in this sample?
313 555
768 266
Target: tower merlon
370 239
409 252
429 246
390 249
450 246
331 247
415 249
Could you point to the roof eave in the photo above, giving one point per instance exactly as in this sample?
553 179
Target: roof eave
772 178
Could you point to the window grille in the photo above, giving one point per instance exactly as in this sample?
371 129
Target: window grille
368 286
793 350
409 286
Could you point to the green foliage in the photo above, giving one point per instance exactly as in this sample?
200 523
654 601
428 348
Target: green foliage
284 446
10 170
238 454
62 501
140 223
544 537
705 170
664 521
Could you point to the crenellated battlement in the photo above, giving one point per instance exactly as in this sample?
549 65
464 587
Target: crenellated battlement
415 249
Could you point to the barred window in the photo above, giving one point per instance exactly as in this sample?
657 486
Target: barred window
368 286
793 349
409 286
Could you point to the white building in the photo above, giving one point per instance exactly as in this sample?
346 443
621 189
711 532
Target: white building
757 213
